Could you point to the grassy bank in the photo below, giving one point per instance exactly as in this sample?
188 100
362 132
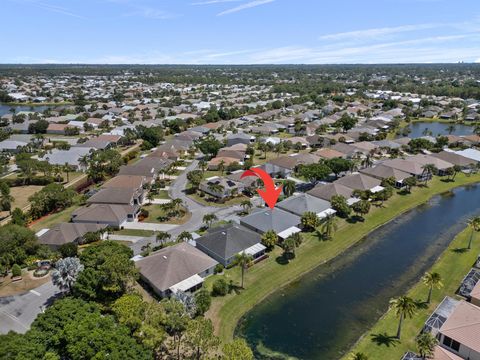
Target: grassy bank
268 276
452 265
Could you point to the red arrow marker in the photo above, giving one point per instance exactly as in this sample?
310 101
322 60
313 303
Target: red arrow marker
270 194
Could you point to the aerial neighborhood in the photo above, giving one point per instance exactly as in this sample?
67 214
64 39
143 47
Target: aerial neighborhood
123 195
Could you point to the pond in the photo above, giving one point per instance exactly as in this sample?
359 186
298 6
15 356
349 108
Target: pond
321 315
5 109
419 129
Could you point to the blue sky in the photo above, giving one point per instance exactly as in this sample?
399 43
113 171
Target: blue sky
239 31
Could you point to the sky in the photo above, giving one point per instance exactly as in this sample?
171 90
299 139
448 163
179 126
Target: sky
239 31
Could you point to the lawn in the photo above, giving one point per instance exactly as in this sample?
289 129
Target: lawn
155 212
22 193
268 276
134 232
48 221
28 282
203 200
452 265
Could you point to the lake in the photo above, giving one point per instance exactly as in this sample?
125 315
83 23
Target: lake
419 129
321 315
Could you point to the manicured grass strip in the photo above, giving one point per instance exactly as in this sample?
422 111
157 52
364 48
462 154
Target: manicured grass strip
268 276
452 265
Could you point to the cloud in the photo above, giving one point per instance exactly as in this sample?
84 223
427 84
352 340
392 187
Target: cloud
377 32
151 13
248 5
53 8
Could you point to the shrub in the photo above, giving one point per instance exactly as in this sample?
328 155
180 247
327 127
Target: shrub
220 287
218 268
16 270
40 272
68 250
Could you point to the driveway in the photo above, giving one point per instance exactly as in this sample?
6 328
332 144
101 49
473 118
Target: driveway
149 226
18 312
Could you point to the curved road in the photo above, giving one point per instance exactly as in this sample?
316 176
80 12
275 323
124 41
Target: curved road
177 191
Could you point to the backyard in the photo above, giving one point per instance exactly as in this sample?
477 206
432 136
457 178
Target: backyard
453 265
269 275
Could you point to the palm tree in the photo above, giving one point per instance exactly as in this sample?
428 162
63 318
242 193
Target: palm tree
329 226
432 279
367 161
474 223
203 165
288 188
184 236
66 273
176 203
358 356
244 261
216 189
246 205
428 171
451 128
208 219
67 169
150 197
292 242
221 166
162 237
403 306
426 343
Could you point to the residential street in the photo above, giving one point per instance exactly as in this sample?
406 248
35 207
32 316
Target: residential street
197 210
19 311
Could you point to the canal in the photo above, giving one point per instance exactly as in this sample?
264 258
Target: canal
321 315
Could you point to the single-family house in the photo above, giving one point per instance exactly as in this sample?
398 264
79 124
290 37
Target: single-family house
299 204
226 242
382 172
181 267
221 187
459 334
109 214
65 233
327 191
278 220
359 181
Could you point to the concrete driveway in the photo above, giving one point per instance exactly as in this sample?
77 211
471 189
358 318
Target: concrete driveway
149 226
19 311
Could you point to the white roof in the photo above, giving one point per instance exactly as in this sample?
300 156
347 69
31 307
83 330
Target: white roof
255 249
470 153
41 232
376 189
286 233
187 284
326 213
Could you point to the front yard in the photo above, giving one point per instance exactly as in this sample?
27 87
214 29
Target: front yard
156 214
28 282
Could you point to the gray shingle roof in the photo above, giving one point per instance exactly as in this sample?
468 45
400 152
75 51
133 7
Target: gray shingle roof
266 219
64 233
174 264
302 203
228 241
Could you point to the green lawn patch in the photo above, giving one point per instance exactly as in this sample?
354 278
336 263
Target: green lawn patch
134 232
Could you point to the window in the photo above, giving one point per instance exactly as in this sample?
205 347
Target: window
452 344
